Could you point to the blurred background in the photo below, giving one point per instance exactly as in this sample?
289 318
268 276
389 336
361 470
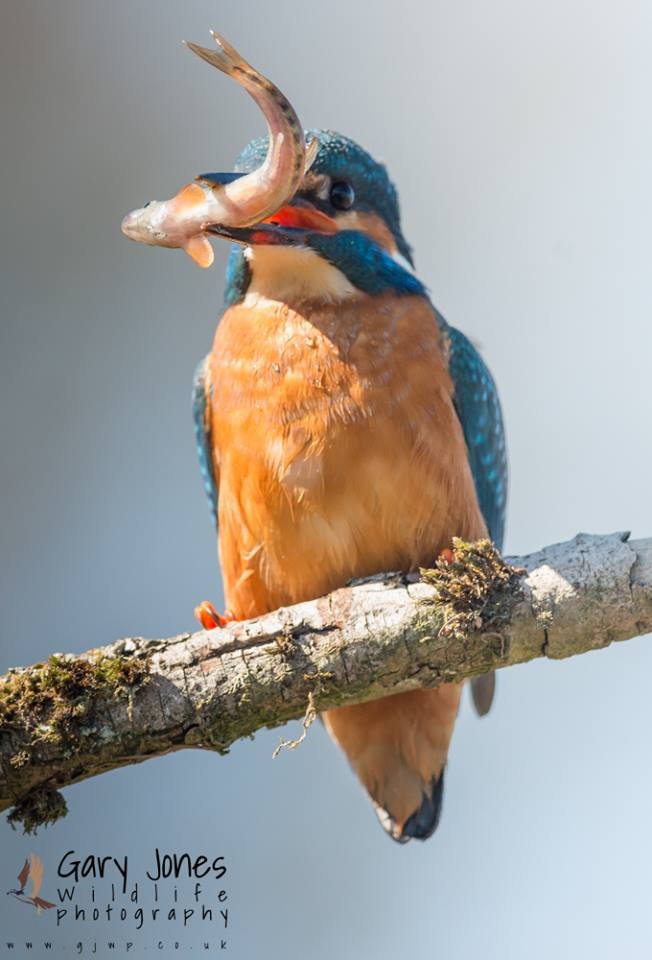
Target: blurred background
518 134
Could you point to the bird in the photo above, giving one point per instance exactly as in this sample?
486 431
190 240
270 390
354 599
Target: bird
32 870
344 428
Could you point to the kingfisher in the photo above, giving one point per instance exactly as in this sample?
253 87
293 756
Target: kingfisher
344 428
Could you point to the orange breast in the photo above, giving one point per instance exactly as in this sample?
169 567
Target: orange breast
337 446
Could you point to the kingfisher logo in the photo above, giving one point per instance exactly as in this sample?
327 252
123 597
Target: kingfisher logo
32 874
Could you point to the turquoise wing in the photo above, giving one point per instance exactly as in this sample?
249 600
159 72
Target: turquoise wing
200 411
478 408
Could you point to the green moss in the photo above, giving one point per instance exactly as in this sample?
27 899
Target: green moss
39 808
477 588
52 700
47 707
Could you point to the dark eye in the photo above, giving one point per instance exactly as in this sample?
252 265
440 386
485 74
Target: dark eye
342 195
146 204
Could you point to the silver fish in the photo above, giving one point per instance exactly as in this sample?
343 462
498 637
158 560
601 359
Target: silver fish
246 200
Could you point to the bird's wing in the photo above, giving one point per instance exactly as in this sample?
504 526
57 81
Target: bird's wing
478 408
201 391
23 875
35 875
41 904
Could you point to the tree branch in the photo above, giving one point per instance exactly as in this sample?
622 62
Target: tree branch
76 717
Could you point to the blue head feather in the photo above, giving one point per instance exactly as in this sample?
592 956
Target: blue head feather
342 159
365 264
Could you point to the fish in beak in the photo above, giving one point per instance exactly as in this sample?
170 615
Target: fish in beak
288 226
235 200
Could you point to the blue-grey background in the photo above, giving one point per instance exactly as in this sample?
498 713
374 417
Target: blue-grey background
519 136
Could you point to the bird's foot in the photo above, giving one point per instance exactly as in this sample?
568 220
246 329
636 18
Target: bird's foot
209 618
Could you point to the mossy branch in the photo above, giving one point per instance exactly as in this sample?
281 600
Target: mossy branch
77 716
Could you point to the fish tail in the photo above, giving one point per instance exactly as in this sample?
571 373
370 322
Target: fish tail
226 58
229 53
282 120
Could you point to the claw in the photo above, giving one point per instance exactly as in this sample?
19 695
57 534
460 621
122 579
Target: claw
209 618
447 555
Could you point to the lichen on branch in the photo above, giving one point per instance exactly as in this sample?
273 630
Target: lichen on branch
51 704
74 717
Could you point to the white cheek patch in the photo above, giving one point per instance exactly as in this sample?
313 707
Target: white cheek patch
400 259
295 273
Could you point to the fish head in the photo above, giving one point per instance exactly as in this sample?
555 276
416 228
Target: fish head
177 222
148 224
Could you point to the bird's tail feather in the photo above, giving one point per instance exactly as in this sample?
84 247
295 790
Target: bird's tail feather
421 824
398 747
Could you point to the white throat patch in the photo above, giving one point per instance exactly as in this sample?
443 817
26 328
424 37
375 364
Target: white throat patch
289 274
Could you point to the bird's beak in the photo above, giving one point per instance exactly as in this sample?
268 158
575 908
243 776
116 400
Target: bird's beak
289 226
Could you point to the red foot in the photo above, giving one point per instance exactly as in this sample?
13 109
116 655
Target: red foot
209 618
447 555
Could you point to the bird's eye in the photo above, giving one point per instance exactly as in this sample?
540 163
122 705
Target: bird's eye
146 204
342 195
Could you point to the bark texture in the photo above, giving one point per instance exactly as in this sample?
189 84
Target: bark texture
75 717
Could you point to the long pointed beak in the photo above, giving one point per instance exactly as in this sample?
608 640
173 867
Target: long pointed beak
302 214
264 234
289 226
